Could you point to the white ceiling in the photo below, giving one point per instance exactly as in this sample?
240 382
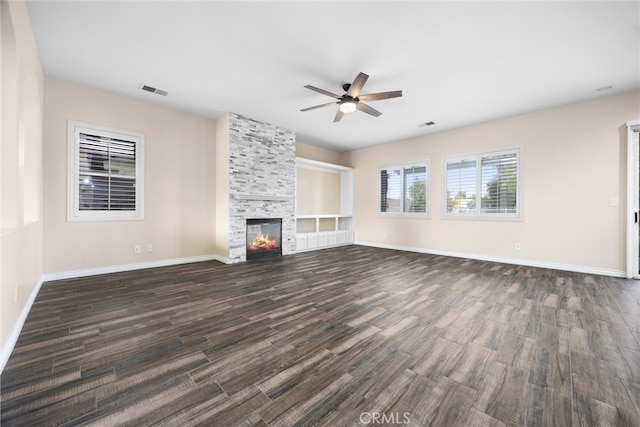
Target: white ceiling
458 63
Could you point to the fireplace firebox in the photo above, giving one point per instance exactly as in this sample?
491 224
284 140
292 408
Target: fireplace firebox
264 238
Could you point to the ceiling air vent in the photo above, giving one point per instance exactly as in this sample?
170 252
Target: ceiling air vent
154 90
422 125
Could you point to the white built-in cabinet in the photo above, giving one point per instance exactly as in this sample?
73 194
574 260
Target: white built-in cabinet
318 231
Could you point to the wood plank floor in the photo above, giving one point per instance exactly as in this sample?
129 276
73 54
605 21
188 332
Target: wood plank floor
339 337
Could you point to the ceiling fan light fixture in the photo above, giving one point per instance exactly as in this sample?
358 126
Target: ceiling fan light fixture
348 107
352 100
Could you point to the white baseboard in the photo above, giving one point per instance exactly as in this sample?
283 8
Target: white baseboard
516 261
15 333
125 267
221 259
8 346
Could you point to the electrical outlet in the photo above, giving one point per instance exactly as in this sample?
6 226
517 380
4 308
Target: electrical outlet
149 247
517 246
137 249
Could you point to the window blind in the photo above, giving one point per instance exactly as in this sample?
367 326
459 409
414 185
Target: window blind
499 175
390 190
403 189
415 189
107 173
484 185
461 186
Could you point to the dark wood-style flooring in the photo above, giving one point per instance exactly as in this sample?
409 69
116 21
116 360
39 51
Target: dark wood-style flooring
339 337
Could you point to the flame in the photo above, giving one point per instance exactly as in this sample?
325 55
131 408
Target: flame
262 242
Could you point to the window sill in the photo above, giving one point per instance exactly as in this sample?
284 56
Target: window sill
404 215
483 218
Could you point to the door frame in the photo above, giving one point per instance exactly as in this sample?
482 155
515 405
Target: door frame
633 199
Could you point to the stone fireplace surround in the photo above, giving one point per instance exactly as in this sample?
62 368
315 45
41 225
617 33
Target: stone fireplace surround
262 175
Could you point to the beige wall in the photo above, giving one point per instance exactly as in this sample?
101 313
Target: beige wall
317 192
308 151
20 171
179 183
574 163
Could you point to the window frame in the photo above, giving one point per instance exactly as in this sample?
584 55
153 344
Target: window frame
478 214
402 166
74 213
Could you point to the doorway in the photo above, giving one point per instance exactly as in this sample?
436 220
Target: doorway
633 199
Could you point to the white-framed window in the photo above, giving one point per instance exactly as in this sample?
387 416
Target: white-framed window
483 185
106 174
404 190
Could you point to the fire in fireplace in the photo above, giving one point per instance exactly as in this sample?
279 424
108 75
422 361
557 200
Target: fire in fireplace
264 237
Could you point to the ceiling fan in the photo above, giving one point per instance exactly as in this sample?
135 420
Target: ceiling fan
352 100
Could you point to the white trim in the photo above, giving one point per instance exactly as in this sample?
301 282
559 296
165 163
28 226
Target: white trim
124 267
427 184
222 259
74 128
301 162
323 216
9 345
479 215
633 125
321 248
17 328
633 173
515 261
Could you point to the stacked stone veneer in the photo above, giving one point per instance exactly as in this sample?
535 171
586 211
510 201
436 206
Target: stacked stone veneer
262 179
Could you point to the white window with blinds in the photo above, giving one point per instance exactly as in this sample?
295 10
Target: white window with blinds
404 190
483 185
106 174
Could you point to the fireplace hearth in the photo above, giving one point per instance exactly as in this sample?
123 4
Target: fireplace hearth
264 238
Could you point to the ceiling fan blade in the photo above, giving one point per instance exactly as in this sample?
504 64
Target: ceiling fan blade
366 109
338 116
320 106
322 91
381 95
357 84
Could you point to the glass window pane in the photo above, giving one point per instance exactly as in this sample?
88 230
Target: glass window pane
415 189
461 186
390 190
499 175
108 168
123 194
106 176
93 193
